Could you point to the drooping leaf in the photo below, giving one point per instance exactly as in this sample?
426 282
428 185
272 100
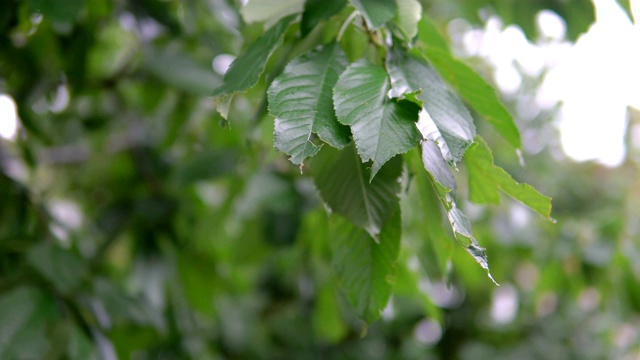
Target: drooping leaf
626 6
443 184
434 163
376 12
381 127
269 10
342 180
366 268
301 100
429 35
435 246
24 313
486 179
64 269
318 10
246 69
407 17
444 119
463 232
471 86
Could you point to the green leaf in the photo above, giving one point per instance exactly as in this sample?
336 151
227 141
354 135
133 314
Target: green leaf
626 6
381 127
327 322
61 11
301 100
269 10
124 307
435 245
366 268
443 184
354 42
61 267
185 73
462 230
486 179
443 119
477 92
24 314
342 181
246 69
429 35
409 13
318 10
376 12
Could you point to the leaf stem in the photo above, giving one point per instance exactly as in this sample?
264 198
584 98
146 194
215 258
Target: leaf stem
346 23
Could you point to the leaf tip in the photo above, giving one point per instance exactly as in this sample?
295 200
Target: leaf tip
491 277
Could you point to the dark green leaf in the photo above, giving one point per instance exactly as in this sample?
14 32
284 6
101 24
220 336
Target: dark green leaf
245 70
24 313
62 11
486 179
318 10
444 119
476 91
376 12
123 306
343 183
301 100
366 268
381 128
207 165
64 269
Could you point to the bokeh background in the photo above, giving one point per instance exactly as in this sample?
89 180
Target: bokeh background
135 222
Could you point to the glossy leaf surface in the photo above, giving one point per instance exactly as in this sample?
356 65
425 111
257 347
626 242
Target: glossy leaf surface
301 100
381 127
245 70
343 182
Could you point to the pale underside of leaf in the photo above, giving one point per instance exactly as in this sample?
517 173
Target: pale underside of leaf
476 92
381 128
407 18
269 10
376 12
246 69
343 184
366 268
443 183
301 100
444 118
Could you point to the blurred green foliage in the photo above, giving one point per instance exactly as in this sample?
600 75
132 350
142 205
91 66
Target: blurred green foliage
134 225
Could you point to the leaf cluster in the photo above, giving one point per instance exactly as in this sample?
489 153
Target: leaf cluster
357 114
